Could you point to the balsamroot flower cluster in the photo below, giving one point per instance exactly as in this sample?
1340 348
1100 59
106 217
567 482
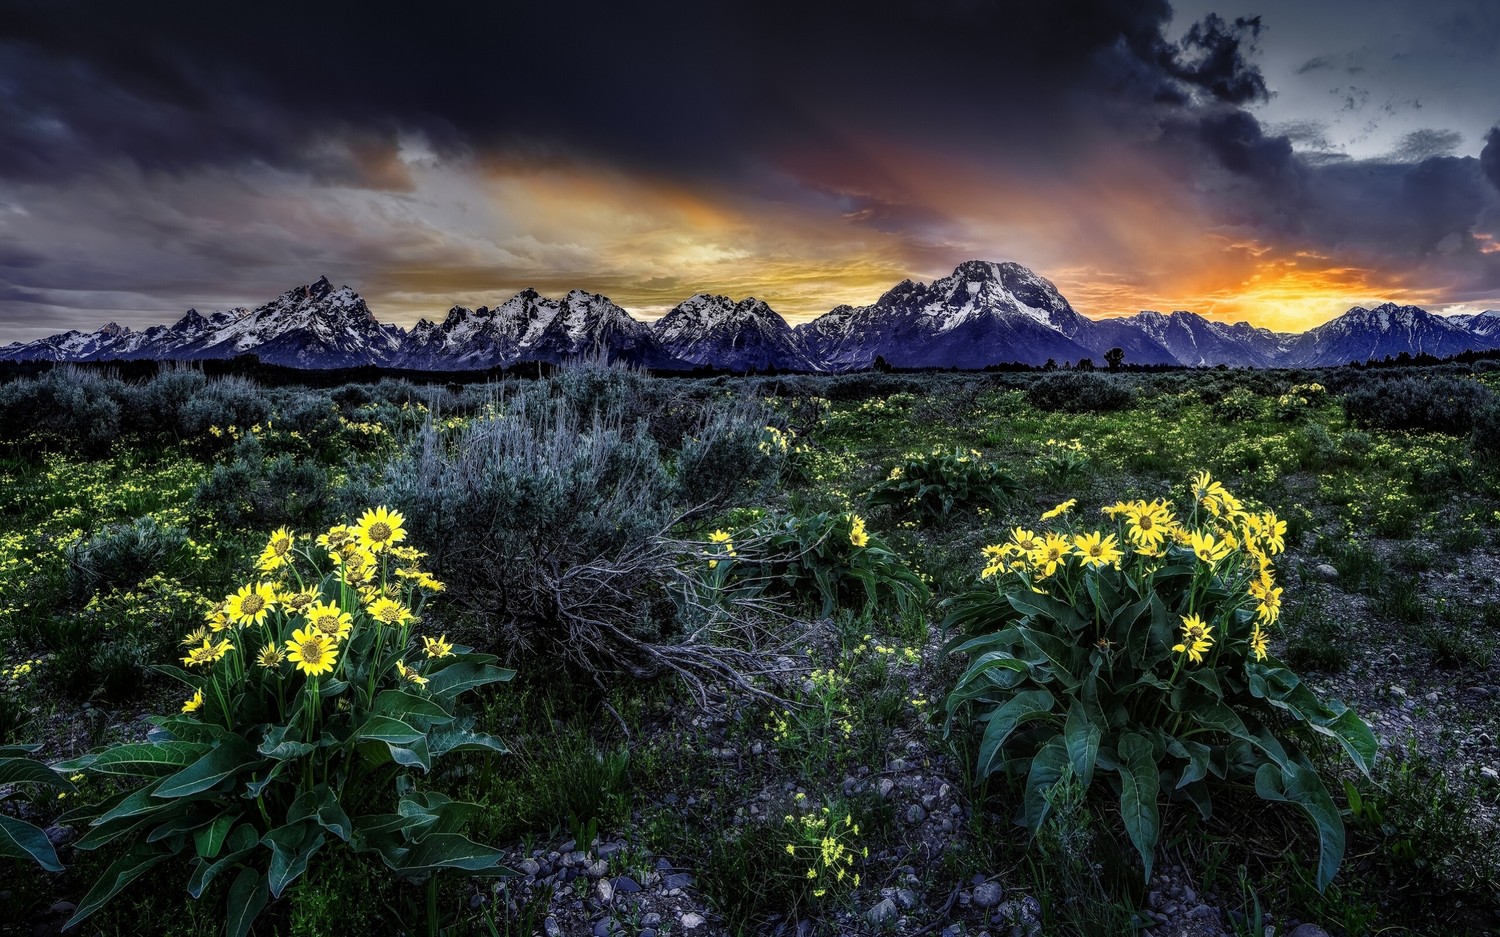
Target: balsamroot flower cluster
296 619
1218 532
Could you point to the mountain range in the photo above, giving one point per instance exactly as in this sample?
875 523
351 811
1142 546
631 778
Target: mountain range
982 314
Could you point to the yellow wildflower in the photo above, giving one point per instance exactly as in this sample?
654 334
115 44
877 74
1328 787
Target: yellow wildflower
251 604
195 703
1060 510
1197 638
1096 549
311 651
857 535
437 647
380 529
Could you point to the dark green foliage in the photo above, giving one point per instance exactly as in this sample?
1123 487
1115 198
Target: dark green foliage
224 402
253 487
816 560
1079 392
933 486
1423 833
65 408
1316 638
1437 404
1237 406
123 555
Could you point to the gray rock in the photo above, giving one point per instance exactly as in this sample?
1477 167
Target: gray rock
1489 774
605 928
608 850
1326 572
915 814
597 869
551 928
885 787
651 920
885 911
625 885
606 890
677 880
691 921
988 894
58 835
1307 930
906 898
528 867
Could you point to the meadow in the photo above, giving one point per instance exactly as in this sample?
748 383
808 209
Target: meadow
1206 652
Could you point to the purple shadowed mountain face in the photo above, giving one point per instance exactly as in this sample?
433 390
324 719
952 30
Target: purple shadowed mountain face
739 336
982 314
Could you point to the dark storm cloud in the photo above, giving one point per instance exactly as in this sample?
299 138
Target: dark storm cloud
1489 157
1421 144
676 86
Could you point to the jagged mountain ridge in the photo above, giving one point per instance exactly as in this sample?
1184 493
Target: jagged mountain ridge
984 313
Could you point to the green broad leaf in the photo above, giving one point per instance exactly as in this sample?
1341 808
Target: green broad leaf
145 759
416 710
463 676
247 897
387 729
242 841
291 848
1197 793
20 770
321 805
1285 690
121 872
451 851
228 759
257 785
1196 754
447 815
463 739
1046 770
990 671
1038 605
1299 784
188 729
134 804
1003 640
208 840
1081 737
1139 781
1206 678
21 840
185 821
1055 652
1024 706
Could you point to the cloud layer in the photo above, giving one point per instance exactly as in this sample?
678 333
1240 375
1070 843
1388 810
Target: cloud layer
812 153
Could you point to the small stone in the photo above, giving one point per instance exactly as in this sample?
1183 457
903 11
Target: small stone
677 880
1307 930
476 901
528 867
906 898
58 835
551 928
885 911
1398 692
915 814
929 801
569 846
885 787
625 885
691 921
606 890
1326 572
1489 774
609 850
988 895
597 869
1432 697
61 909
605 928
651 920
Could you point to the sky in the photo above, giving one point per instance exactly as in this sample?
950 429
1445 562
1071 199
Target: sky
1267 160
